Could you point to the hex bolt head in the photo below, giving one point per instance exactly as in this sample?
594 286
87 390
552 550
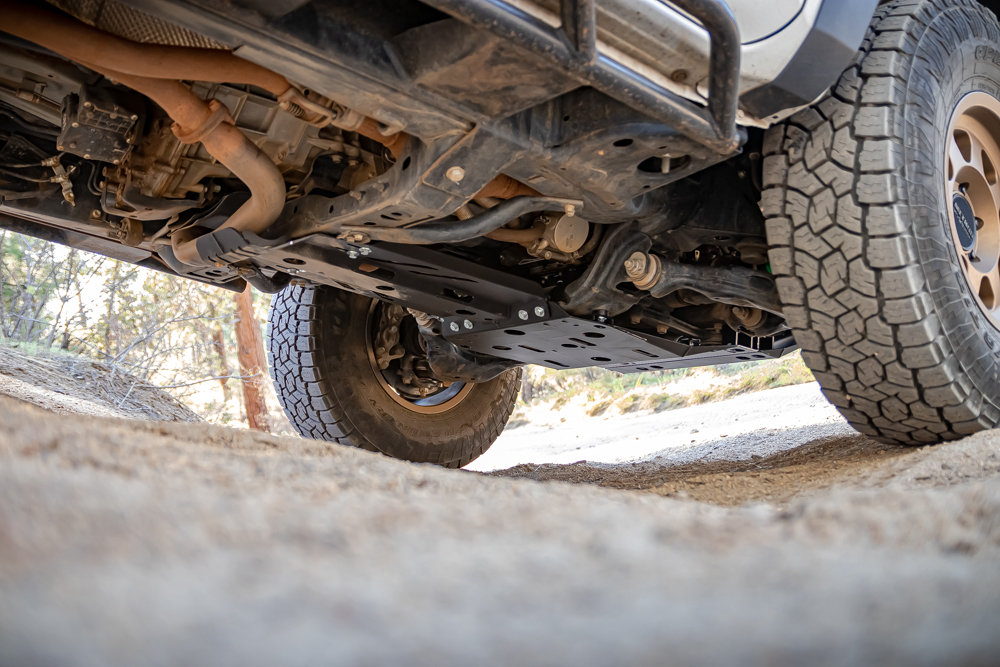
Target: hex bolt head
523 314
365 251
539 311
467 324
353 254
455 174
454 326
570 210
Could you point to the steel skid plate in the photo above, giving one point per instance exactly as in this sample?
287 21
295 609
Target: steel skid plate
494 313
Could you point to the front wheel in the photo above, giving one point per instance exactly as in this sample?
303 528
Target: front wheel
351 369
882 208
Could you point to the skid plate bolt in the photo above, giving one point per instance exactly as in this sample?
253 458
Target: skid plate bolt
454 326
95 213
455 174
523 314
539 311
353 254
467 324
365 251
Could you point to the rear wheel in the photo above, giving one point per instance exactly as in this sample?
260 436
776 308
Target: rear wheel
882 212
350 369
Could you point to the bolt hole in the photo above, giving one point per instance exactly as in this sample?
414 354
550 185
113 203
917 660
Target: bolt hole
294 261
406 164
622 143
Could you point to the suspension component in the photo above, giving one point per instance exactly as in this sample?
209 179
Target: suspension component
643 270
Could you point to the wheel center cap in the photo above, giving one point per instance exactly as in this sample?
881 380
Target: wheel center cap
965 221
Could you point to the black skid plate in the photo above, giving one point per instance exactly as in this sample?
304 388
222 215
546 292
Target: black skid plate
493 312
558 340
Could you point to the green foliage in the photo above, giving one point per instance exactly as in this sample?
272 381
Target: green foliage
165 330
42 290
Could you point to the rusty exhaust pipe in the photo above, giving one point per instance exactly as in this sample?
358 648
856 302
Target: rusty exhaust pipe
80 42
156 71
210 123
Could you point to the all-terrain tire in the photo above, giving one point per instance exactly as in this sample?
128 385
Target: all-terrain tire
857 220
328 388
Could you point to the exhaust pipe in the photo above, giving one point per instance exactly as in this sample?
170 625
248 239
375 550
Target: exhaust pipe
156 71
210 123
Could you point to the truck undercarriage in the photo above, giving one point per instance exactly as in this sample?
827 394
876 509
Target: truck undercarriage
450 189
544 166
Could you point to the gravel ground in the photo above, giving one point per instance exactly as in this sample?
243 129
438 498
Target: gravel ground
143 543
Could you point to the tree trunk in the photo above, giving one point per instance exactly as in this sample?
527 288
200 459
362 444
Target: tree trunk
219 344
253 364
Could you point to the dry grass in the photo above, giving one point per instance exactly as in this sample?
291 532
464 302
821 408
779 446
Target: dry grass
602 392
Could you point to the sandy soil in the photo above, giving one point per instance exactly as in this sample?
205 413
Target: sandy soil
758 424
135 542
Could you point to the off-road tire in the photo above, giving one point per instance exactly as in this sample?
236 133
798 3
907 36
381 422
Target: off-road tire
328 388
857 220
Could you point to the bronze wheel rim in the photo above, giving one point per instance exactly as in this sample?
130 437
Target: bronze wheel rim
972 182
437 403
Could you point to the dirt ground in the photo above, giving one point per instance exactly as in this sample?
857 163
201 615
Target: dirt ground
72 384
137 542
818 465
